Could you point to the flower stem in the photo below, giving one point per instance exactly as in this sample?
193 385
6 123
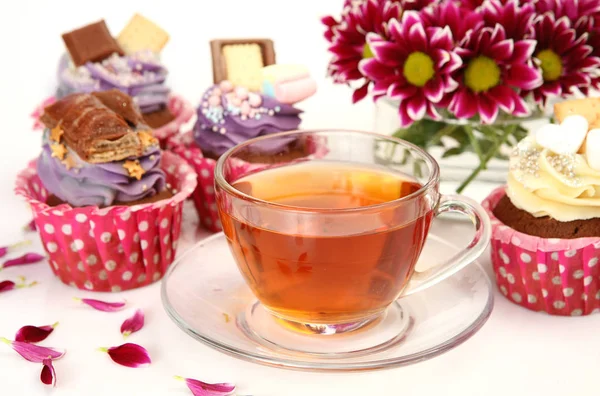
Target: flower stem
510 129
179 378
105 350
447 130
5 340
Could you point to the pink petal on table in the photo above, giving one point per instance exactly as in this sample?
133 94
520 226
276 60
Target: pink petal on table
27 258
33 334
103 306
129 355
30 226
48 375
200 388
7 285
133 324
10 285
7 249
33 353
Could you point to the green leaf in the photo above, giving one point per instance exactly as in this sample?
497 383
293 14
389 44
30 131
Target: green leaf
452 152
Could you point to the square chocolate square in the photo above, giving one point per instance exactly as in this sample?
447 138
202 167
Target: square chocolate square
241 60
91 43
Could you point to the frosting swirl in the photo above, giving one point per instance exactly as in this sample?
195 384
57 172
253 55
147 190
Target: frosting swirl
543 183
84 184
140 75
228 116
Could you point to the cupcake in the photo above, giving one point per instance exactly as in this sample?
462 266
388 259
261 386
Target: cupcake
106 201
546 220
95 61
227 116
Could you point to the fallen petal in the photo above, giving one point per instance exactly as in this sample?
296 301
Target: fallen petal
129 355
10 285
29 227
34 353
27 258
33 334
200 388
7 249
104 306
133 324
48 375
7 285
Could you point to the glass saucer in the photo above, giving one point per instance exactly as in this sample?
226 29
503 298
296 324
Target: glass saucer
206 296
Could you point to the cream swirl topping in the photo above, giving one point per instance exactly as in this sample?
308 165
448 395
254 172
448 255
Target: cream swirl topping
544 183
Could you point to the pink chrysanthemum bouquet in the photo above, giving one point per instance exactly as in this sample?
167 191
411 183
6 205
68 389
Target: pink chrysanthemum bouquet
465 73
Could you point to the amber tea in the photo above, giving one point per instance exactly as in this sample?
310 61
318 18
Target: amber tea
322 262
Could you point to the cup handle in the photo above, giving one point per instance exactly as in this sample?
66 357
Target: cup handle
468 207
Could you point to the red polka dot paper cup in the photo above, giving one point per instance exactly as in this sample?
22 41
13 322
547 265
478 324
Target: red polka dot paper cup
204 195
181 109
183 112
556 276
114 248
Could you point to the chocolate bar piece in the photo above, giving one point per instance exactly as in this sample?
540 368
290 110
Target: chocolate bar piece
91 43
241 60
100 127
158 118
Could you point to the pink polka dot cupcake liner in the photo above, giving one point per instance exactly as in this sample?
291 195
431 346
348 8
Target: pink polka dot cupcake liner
115 248
556 276
179 107
204 195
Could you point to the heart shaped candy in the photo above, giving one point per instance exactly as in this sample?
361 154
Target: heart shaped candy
592 149
565 138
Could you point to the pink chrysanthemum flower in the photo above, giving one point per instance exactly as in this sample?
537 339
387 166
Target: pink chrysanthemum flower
495 68
516 16
581 13
476 4
564 56
459 20
414 66
348 43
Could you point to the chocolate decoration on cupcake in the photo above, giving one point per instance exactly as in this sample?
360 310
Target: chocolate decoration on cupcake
129 63
98 151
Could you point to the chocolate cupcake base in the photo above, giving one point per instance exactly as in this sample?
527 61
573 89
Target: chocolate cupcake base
544 227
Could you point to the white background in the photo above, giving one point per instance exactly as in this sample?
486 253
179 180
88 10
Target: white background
516 353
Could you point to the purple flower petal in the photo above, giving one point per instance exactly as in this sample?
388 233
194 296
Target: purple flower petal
10 285
503 49
199 388
416 107
133 324
503 96
417 38
442 38
360 93
48 374
374 70
523 51
129 355
434 90
7 249
27 258
7 285
103 306
403 116
397 91
33 334
464 104
34 353
524 77
488 109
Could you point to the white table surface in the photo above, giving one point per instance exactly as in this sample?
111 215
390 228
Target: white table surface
517 352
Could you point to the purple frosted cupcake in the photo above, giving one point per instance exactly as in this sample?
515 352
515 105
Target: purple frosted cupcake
228 116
